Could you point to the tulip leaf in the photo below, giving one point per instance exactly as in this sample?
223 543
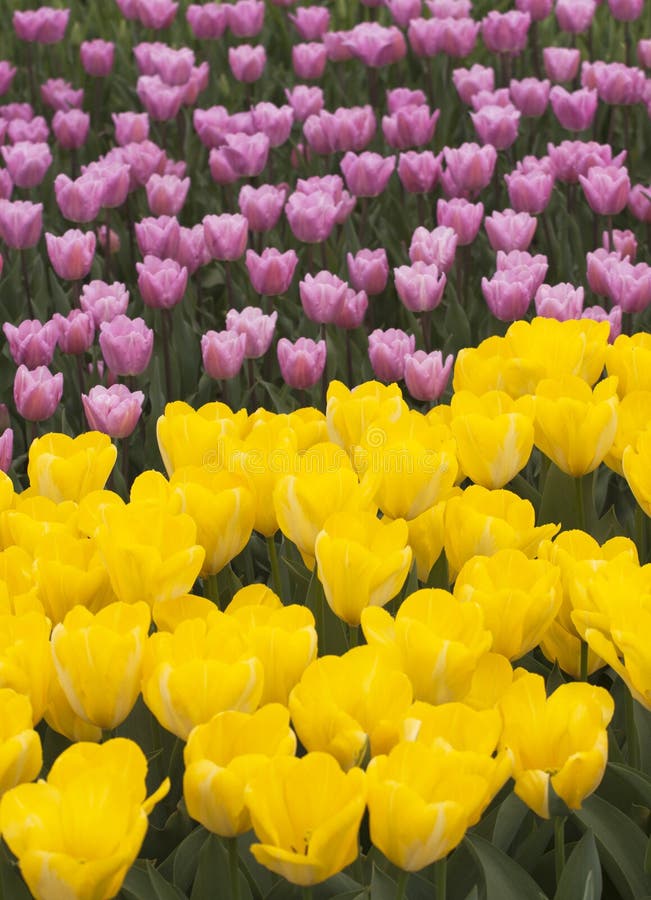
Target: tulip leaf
504 879
183 861
213 869
12 885
144 882
622 846
508 822
640 783
581 878
457 327
335 888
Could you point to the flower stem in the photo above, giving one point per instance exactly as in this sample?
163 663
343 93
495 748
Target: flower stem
559 846
273 562
402 885
583 671
233 867
580 504
441 878
26 287
632 741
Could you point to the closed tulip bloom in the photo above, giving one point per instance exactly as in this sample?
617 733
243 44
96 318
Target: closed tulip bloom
375 45
351 315
361 561
27 163
222 353
222 756
32 343
71 254
21 223
79 200
103 302
537 9
614 319
508 230
45 25
508 293
575 111
156 14
506 33
469 81
481 521
322 296
7 74
367 174
497 125
420 287
624 242
126 345
130 127
530 95
64 468
305 100
410 126
226 236
350 705
575 426
435 792
437 247
208 21
311 216
561 63
456 37
559 301
309 60
162 101
21 757
469 168
114 410
271 272
419 172
262 206
99 658
246 154
257 327
97 57
644 53
629 286
520 598
494 436
463 217
95 805
273 121
37 393
606 189
530 192
57 93
247 63
569 749
387 351
312 834
6 449
427 374
434 639
302 362
166 194
246 17
575 18
368 270
628 359
626 10
186 435
201 669
162 282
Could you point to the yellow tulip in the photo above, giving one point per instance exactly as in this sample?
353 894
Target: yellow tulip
481 522
350 705
25 660
324 483
18 594
62 718
435 639
64 468
69 572
222 756
350 412
519 596
168 614
222 506
422 799
203 668
559 740
306 814
188 437
629 358
635 466
575 426
283 638
427 536
361 561
98 659
310 426
493 676
77 834
35 518
633 417
494 435
455 725
21 757
150 554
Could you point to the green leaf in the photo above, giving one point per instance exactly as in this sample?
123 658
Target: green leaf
504 879
144 882
335 887
12 885
184 860
213 869
622 846
510 818
581 878
382 886
163 890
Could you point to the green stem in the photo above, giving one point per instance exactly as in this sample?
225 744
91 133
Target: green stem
441 878
559 846
640 530
402 886
580 504
583 670
307 892
632 739
273 561
211 588
233 867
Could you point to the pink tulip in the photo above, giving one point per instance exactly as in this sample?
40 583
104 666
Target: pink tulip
271 272
573 158
311 22
388 350
462 217
530 192
6 449
44 25
644 53
367 174
158 236
530 96
32 343
332 185
246 18
323 296
497 125
532 269
7 74
375 45
76 331
27 163
130 127
469 168
114 410
157 14
247 63
575 111
126 345
223 353
192 251
506 33
575 16
309 60
508 230
537 9
427 375
614 318
246 154
37 392
208 21
262 206
257 328
419 286
57 93
352 312
606 189
629 286
639 203
97 57
561 63
410 126
103 302
79 200
437 247
166 194
419 172
403 11
21 223
305 100
71 128
226 236
162 282
449 9
368 270
162 101
311 216
624 243
626 10
273 121
508 293
559 301
469 81
71 254
398 98
302 362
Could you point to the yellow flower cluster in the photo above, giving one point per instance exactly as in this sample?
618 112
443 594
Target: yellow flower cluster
103 601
